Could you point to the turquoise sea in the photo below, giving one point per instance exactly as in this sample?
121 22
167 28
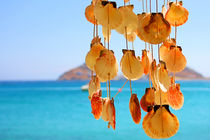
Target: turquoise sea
54 110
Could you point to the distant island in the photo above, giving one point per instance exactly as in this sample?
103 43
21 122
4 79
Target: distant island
83 73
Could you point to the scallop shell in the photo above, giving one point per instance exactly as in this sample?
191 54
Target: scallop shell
134 107
161 124
177 15
131 67
96 105
141 19
154 28
163 77
106 66
107 14
165 47
93 54
175 97
175 60
146 61
94 86
161 98
148 99
111 114
129 20
89 14
104 115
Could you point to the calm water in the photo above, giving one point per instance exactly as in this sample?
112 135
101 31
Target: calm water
61 111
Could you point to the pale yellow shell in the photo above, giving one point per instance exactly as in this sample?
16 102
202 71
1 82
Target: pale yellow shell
94 86
93 54
164 80
106 66
129 21
107 15
131 67
104 115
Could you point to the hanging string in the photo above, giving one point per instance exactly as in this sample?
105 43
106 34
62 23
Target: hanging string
126 37
104 42
94 28
159 52
109 85
152 52
146 7
145 46
107 90
164 2
150 6
108 28
130 87
143 5
175 31
132 45
120 89
156 6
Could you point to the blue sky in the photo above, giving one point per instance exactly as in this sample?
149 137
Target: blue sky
41 39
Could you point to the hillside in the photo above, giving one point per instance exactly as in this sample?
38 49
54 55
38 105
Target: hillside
83 73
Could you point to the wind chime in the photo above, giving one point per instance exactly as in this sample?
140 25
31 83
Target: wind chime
153 29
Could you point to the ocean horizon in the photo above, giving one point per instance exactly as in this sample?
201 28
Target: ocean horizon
60 110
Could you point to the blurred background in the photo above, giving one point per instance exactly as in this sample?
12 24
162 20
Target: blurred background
43 45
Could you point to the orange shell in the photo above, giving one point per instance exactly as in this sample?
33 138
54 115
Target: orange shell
175 60
96 105
165 47
94 86
177 15
160 124
131 67
141 18
129 20
89 14
153 74
104 115
106 66
135 108
175 97
147 99
107 14
146 61
154 28
93 54
111 114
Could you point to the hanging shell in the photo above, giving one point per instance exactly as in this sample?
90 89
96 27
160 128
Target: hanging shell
94 86
134 107
96 105
161 124
106 66
146 61
148 99
141 19
104 114
164 10
177 15
175 60
89 14
107 14
131 66
163 77
153 74
129 20
154 28
93 54
165 47
175 97
111 114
